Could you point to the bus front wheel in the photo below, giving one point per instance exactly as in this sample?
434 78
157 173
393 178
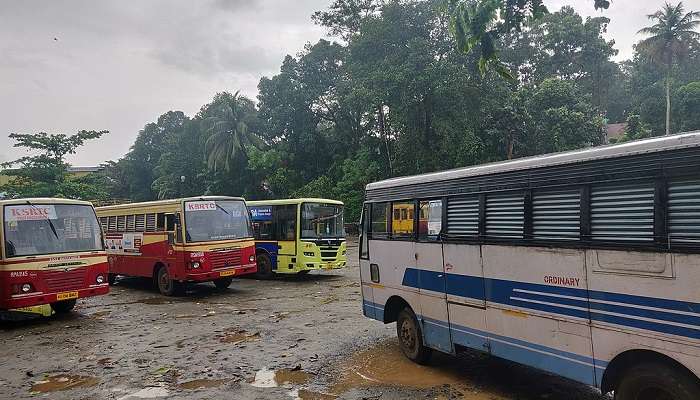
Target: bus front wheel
111 278
63 307
223 283
411 338
166 285
656 381
264 267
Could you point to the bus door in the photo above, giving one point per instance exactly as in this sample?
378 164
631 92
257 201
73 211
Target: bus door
285 218
432 277
367 274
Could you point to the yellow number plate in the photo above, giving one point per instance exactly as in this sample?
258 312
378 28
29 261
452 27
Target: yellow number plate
328 266
67 296
227 273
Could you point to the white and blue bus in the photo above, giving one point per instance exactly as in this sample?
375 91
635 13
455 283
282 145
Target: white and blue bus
585 264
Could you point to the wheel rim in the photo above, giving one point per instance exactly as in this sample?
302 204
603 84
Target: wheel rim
264 265
408 336
164 281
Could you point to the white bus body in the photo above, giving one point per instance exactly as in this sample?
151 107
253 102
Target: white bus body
585 264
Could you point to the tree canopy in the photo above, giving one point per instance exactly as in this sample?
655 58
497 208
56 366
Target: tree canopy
393 93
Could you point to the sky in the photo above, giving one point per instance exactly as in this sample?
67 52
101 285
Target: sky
67 65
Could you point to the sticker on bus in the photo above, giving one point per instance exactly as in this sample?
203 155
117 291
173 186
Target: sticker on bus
124 243
200 206
261 213
29 213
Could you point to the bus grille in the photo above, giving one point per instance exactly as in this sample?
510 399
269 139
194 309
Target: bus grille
58 281
228 258
329 253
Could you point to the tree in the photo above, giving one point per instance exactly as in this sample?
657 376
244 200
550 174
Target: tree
479 25
45 174
227 131
670 37
689 105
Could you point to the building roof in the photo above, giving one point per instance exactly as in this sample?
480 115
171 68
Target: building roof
657 144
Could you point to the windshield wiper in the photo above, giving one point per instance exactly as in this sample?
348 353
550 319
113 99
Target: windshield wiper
218 206
51 225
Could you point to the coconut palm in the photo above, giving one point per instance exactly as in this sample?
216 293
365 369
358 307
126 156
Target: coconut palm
670 38
227 133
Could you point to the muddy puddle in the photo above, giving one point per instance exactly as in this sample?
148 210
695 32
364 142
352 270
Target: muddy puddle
268 378
385 365
236 336
202 383
61 382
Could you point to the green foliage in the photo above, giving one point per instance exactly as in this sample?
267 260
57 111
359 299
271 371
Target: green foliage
403 94
689 106
45 174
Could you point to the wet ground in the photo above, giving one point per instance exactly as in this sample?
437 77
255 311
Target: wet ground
294 338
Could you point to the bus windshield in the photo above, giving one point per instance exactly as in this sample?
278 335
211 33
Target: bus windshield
212 220
322 221
40 229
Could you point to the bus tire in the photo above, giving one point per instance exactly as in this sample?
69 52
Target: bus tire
166 285
223 283
303 272
411 338
656 381
111 278
63 307
264 267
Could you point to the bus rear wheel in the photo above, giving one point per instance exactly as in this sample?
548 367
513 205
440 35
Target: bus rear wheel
411 338
166 285
63 307
223 283
264 267
656 381
111 278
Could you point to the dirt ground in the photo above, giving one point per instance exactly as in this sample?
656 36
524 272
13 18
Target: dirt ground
291 338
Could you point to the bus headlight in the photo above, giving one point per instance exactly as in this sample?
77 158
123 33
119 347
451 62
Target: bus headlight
100 279
195 265
251 258
26 288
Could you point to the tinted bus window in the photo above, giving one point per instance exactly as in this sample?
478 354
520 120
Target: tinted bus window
380 222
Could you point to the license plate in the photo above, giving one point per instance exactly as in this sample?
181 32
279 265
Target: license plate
67 296
328 266
227 273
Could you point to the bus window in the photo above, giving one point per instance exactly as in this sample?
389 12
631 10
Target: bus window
380 223
403 225
286 218
364 230
430 223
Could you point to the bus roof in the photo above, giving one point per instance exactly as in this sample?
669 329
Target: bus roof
161 203
44 200
294 201
653 145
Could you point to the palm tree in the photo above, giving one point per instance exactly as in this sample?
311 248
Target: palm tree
669 38
227 131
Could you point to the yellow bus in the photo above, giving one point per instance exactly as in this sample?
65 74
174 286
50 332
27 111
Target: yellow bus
295 236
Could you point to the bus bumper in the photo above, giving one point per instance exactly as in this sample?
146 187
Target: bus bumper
29 300
208 276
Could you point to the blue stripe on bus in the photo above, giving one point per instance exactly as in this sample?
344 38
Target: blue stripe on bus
574 366
510 293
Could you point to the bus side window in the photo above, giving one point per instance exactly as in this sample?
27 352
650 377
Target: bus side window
160 222
178 228
381 214
401 224
430 222
364 233
169 222
285 220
